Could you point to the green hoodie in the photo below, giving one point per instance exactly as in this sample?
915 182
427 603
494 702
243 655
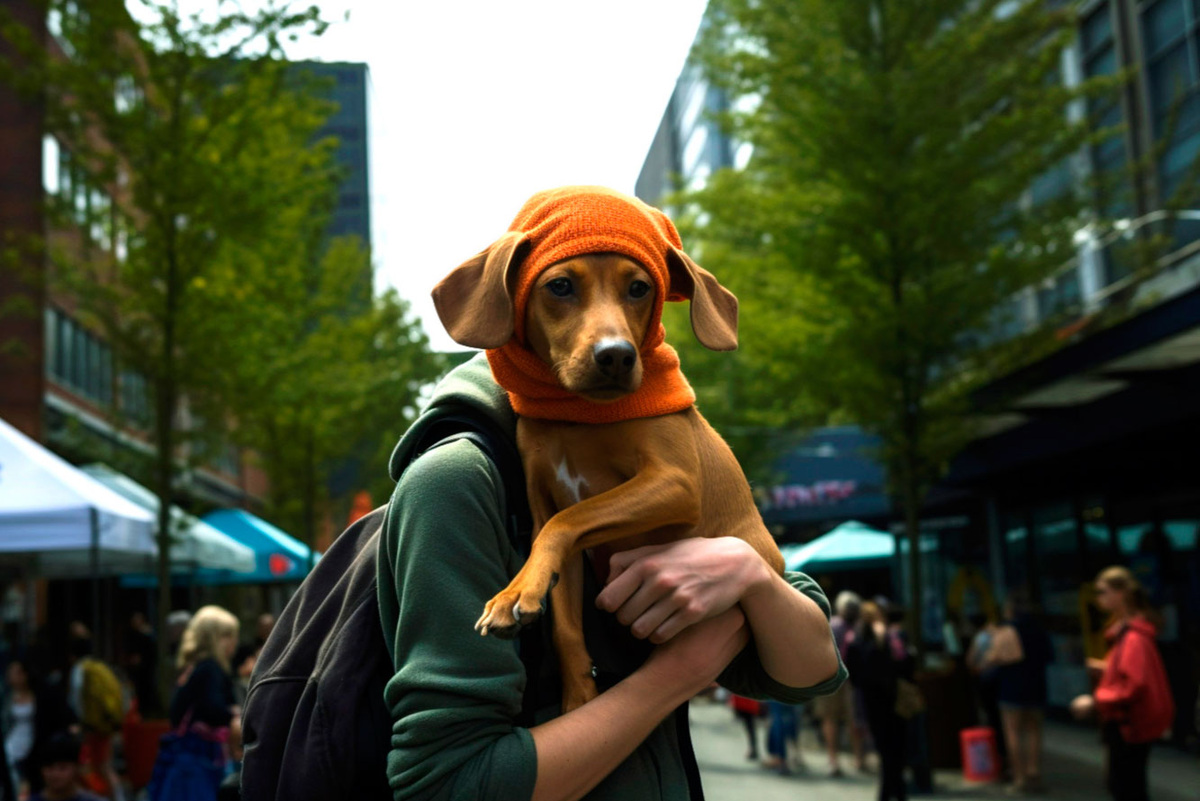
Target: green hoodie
455 695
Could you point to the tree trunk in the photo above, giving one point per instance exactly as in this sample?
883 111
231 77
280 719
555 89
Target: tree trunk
164 445
912 529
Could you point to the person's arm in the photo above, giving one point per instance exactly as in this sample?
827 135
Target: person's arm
576 751
661 590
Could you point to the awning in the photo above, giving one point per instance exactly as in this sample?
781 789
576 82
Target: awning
60 521
278 557
850 546
194 543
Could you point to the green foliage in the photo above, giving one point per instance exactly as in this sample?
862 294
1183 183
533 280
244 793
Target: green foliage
884 218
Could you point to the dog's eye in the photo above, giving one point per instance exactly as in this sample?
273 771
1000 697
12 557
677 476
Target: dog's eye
560 287
638 289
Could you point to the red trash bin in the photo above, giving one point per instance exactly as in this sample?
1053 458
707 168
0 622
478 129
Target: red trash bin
981 763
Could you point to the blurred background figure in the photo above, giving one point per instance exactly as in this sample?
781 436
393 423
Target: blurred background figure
748 710
875 667
1133 696
177 622
838 712
783 738
985 682
94 695
60 771
266 623
141 663
1019 653
243 663
194 760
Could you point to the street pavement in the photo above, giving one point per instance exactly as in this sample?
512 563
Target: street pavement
1072 768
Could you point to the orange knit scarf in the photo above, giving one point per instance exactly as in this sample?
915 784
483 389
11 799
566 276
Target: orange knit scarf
571 221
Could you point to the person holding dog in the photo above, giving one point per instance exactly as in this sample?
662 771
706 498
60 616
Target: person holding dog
703 609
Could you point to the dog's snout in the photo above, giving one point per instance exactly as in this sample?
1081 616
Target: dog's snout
614 357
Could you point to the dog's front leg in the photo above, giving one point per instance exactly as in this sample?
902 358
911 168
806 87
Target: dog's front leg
574 662
660 495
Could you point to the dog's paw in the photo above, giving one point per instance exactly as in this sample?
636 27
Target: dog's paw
504 615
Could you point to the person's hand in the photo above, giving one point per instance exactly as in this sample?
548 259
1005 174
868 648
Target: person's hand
660 590
698 654
1083 707
1096 666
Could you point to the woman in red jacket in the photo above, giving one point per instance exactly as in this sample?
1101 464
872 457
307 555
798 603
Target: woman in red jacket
1133 697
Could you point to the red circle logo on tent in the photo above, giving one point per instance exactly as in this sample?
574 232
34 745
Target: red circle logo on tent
279 564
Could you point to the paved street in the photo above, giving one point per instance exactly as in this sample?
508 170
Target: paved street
1072 769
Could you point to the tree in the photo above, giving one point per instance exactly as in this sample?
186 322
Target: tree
193 147
327 381
885 219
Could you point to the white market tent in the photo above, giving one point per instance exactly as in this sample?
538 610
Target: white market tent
194 543
60 522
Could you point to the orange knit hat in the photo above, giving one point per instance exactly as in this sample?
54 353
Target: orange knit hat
574 221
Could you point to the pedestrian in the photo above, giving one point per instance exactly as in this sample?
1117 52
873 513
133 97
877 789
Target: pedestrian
19 722
244 659
748 711
985 682
456 698
177 623
194 757
263 628
141 663
876 667
783 735
1019 653
837 712
61 779
96 698
1133 696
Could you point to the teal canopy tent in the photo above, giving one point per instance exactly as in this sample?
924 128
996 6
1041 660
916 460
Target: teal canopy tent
850 546
278 557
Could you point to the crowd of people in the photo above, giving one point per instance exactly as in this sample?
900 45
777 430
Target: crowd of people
59 721
880 710
62 709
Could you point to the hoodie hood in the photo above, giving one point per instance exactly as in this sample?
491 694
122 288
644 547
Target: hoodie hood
1136 623
468 388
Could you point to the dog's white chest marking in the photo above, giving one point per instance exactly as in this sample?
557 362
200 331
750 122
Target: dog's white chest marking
570 482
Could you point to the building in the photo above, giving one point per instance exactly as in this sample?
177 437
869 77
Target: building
347 87
1090 454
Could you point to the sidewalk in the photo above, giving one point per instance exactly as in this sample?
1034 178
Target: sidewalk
1073 768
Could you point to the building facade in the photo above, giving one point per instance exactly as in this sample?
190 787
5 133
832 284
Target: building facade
1090 456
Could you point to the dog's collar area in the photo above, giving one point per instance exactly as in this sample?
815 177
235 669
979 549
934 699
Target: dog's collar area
534 391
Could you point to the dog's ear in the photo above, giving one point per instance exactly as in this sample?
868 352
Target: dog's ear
714 308
475 301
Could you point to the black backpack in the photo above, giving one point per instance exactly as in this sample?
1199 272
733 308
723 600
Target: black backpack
315 725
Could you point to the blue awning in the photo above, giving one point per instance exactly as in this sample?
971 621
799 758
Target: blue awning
850 546
278 556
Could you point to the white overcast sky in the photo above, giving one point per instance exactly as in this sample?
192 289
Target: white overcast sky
474 106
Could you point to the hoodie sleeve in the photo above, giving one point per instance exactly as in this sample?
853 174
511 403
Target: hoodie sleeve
1124 676
455 695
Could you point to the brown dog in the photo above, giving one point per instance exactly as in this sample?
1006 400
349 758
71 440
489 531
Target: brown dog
610 486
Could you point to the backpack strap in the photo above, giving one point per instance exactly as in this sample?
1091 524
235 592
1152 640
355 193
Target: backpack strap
500 449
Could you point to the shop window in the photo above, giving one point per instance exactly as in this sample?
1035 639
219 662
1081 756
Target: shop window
1016 555
1058 558
1130 539
1183 535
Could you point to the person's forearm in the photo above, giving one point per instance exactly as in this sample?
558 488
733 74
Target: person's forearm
791 633
577 750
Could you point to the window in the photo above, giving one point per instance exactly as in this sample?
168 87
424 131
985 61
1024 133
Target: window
135 398
1109 157
77 359
1171 40
50 165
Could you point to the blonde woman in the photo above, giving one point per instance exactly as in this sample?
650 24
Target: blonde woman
193 759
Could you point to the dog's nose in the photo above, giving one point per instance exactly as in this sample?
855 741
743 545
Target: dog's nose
614 357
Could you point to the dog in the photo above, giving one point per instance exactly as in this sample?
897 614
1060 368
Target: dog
608 485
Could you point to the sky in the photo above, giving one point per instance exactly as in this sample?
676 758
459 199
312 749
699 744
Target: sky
474 106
